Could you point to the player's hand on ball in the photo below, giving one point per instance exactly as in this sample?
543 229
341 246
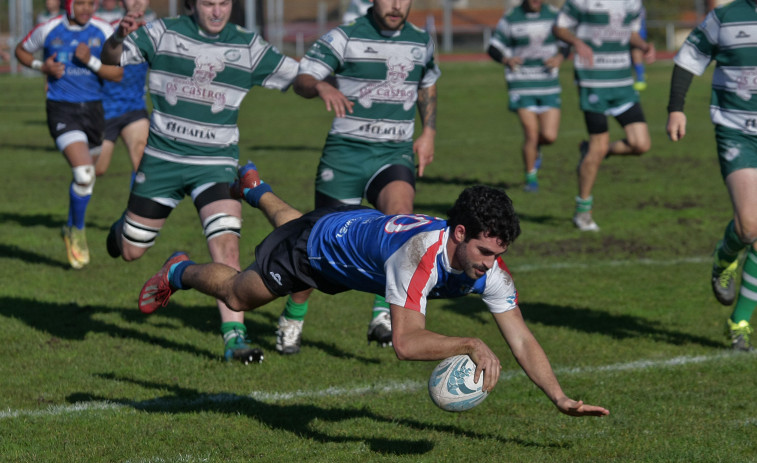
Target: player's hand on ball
487 362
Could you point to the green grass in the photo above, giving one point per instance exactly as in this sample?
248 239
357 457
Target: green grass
625 315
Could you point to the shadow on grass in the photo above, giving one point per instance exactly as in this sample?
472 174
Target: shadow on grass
584 320
297 419
45 220
73 322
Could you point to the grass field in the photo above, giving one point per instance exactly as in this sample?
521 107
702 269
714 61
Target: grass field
625 315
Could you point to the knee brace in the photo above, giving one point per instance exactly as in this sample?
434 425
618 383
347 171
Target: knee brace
139 235
221 224
84 179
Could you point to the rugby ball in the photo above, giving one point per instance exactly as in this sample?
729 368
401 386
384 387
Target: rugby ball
451 384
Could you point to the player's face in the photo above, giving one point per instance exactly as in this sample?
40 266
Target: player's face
391 14
212 15
477 255
83 11
532 5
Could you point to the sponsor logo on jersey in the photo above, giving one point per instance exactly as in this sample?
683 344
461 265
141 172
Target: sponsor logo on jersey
370 50
615 31
233 55
742 35
198 87
398 69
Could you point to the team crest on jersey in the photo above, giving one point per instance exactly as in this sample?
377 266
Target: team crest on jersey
94 42
198 87
398 69
613 31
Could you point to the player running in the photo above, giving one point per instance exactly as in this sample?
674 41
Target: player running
201 68
71 45
725 37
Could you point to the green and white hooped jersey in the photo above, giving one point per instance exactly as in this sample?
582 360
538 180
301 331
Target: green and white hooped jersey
380 73
728 35
605 26
197 83
528 35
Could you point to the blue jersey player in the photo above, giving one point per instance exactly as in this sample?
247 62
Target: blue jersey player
407 258
71 45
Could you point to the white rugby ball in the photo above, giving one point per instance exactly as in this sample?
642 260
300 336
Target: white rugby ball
451 384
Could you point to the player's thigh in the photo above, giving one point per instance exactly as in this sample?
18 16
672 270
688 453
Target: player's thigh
529 122
549 124
396 198
102 160
135 134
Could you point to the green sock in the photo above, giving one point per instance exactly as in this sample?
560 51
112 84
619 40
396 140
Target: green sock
379 305
531 177
584 205
233 332
747 300
729 247
295 311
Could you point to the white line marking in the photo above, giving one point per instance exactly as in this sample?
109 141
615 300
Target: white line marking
382 388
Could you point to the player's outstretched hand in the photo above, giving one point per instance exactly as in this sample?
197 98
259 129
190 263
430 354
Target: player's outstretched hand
579 408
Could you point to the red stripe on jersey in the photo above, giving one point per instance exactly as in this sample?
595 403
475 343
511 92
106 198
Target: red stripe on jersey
422 274
503 266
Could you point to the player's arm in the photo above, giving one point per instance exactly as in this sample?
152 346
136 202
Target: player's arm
582 50
113 47
104 71
49 67
412 341
423 146
646 47
531 357
308 86
679 86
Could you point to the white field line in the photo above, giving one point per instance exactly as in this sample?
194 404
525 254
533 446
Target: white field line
381 388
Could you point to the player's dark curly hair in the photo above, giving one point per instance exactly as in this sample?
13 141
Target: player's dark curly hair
483 209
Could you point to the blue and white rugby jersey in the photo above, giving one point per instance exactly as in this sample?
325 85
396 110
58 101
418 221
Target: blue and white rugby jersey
60 37
403 257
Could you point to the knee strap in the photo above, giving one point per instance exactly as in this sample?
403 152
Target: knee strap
221 224
84 179
139 235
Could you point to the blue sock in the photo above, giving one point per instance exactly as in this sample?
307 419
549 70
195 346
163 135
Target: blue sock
175 273
77 208
253 195
639 68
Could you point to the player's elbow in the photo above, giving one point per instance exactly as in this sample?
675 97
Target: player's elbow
402 348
